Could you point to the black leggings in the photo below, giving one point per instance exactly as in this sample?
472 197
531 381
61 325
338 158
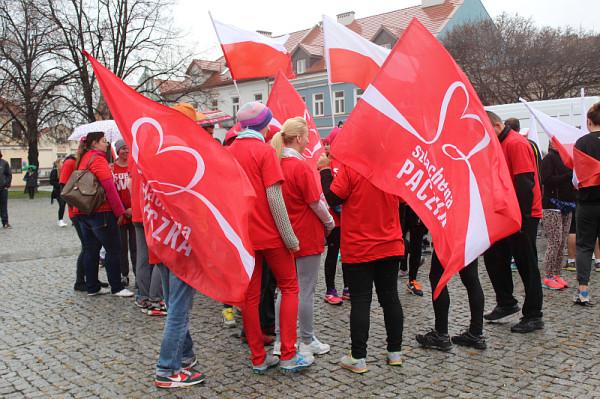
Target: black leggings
414 226
441 305
361 277
333 249
61 208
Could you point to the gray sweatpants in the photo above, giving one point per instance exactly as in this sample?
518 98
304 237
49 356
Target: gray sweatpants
307 268
147 276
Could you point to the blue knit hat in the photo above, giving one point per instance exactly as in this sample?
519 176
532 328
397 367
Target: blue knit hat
254 115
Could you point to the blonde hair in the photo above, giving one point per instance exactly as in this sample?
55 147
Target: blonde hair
292 128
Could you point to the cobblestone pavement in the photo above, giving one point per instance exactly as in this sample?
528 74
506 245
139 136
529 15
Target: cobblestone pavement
55 342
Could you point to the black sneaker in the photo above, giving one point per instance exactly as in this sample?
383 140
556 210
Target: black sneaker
79 287
435 340
500 312
528 325
103 284
470 340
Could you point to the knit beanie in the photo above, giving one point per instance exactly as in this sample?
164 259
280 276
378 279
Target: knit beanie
119 144
254 115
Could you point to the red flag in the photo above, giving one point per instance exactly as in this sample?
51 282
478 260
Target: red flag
196 196
252 55
285 102
586 168
420 132
349 56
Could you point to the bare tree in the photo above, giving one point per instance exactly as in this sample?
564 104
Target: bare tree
134 38
512 58
30 76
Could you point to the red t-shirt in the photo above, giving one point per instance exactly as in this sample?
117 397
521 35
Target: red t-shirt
261 164
121 177
101 169
300 190
335 167
521 159
370 219
65 173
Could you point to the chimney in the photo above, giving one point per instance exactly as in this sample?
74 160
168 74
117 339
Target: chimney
346 18
430 3
265 33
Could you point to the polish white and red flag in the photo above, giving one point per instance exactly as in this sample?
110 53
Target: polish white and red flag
196 199
421 132
285 102
251 55
586 169
349 56
562 135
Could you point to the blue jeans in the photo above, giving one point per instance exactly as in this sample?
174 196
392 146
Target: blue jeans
80 271
177 346
100 230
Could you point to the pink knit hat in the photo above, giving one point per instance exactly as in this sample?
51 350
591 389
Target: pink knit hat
254 115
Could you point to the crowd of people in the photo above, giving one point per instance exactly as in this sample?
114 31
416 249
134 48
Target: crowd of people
299 212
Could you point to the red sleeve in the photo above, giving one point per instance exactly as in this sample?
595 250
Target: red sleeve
306 180
99 167
522 159
341 183
66 171
271 168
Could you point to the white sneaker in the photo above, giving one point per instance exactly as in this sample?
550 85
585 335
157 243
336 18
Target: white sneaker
101 291
124 293
62 223
316 347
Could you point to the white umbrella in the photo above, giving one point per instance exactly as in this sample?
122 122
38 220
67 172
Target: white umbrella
109 127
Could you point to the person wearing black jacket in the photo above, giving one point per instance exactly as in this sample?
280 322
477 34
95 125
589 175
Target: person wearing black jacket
558 203
587 168
56 189
520 245
5 181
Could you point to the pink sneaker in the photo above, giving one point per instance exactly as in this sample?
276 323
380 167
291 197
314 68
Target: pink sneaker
332 298
551 284
561 281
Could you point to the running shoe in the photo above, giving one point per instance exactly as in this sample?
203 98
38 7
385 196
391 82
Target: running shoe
124 293
550 283
414 287
358 366
316 347
155 309
513 265
394 358
332 297
582 298
270 362
434 340
101 291
570 266
561 281
597 265
182 379
346 294
228 317
501 312
469 340
402 273
527 325
297 363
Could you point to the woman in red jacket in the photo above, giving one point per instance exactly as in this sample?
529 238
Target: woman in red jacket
100 228
272 239
310 218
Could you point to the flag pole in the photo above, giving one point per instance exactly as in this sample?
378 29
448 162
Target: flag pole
326 50
237 89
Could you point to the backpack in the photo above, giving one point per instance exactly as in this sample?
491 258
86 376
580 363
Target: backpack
83 190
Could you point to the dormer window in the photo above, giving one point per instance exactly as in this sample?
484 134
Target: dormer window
301 66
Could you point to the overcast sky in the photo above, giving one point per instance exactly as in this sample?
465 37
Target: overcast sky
279 17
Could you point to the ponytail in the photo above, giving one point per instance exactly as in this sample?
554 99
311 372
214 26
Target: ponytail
292 128
86 145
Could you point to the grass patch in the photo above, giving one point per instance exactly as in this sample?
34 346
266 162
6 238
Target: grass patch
19 194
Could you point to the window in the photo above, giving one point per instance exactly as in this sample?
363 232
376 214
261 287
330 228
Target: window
318 104
258 97
15 165
386 45
236 104
338 97
214 105
358 92
17 131
300 66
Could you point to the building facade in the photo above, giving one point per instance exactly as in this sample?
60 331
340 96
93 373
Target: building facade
209 85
